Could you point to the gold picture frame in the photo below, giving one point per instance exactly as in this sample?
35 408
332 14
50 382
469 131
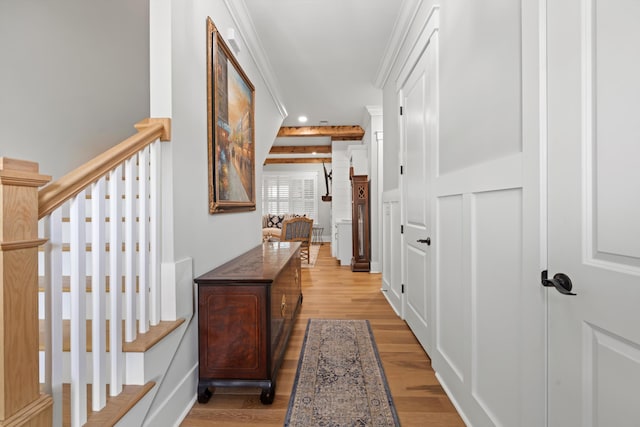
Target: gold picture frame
231 129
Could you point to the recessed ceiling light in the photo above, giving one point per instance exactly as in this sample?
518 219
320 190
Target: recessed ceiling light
314 153
302 119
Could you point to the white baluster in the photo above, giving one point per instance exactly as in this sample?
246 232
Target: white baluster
115 283
53 312
143 239
154 234
98 295
129 253
78 311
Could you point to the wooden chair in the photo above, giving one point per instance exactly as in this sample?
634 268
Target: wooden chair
298 230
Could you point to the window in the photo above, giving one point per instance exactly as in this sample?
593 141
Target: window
290 193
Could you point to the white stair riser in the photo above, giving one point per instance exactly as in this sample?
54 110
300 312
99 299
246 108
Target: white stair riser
66 367
140 368
66 264
66 305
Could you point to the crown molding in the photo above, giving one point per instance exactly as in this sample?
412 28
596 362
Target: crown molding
417 47
371 111
404 21
247 32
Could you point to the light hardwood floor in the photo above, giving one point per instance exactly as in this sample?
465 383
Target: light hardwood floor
334 292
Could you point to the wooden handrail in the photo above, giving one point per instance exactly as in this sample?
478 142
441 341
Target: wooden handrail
55 194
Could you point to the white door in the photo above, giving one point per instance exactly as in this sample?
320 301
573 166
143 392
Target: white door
419 126
594 212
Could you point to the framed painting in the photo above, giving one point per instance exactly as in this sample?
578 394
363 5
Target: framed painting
231 136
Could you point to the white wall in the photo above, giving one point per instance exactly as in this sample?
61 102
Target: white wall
197 233
208 240
74 78
341 189
479 85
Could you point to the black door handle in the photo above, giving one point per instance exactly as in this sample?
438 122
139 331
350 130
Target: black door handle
560 281
427 241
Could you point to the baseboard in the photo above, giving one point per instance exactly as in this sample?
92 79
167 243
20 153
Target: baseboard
454 401
391 305
375 267
187 409
179 402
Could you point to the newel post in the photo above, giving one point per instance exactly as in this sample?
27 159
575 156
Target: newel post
21 402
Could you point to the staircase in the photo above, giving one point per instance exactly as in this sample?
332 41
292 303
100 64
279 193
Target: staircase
103 340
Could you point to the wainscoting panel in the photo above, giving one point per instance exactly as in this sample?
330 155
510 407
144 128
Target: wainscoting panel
392 250
386 246
496 260
479 290
451 295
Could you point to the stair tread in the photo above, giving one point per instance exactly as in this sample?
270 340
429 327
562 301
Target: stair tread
116 407
142 343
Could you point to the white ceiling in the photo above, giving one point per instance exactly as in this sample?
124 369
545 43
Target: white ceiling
325 55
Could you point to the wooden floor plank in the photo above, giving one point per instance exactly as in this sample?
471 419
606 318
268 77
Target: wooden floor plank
334 292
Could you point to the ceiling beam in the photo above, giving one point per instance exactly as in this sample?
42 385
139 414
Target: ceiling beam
337 133
346 138
298 160
300 149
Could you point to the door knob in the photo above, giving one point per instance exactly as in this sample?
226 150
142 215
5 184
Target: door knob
560 281
427 241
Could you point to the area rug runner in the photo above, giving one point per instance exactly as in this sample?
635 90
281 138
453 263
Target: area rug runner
340 380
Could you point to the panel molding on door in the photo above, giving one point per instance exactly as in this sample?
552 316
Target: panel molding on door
607 243
593 210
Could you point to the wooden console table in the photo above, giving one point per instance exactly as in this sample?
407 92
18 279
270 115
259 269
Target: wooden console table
247 308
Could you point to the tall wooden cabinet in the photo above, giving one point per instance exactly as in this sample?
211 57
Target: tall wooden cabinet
247 308
361 258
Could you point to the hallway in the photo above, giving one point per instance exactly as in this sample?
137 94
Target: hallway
331 291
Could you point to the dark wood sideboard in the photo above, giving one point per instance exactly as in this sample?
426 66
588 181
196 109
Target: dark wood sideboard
247 308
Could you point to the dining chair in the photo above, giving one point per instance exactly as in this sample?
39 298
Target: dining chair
298 230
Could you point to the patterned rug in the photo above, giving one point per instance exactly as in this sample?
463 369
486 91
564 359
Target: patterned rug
340 380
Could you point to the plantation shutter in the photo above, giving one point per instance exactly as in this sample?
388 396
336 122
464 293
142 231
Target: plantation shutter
294 193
